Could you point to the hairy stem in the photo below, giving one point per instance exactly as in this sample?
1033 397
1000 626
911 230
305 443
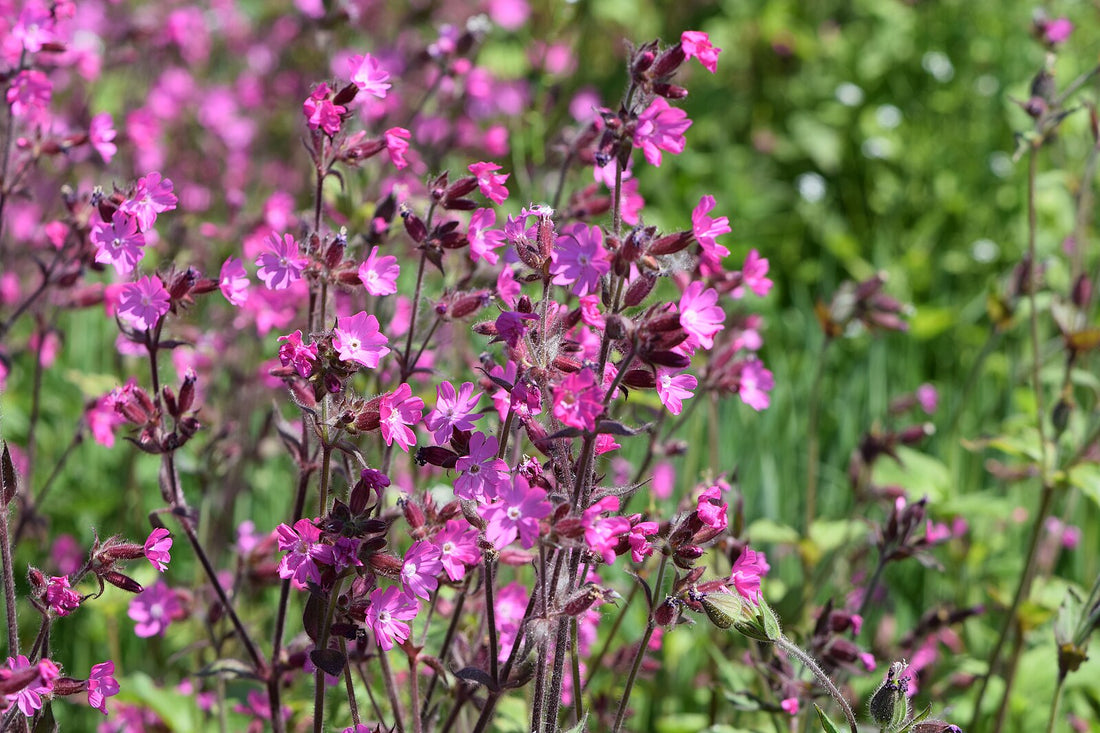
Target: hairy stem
811 664
640 654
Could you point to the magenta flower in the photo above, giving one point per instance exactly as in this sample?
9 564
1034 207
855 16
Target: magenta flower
35 27
29 698
282 264
388 611
1057 31
511 606
453 411
580 259
928 398
294 353
696 44
379 274
152 195
482 473
512 326
789 705
143 303
304 549
101 133
711 510
700 315
491 184
397 411
754 383
101 685
397 143
484 240
457 543
120 243
234 282
157 546
154 609
357 339
754 275
61 599
516 513
638 539
706 229
578 400
419 570
368 75
673 389
602 534
747 571
29 94
661 127
321 112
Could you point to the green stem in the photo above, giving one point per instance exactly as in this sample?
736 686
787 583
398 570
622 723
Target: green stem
640 654
1055 702
811 664
813 448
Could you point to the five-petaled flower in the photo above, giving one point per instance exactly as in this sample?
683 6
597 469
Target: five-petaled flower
398 411
101 685
379 274
580 259
154 609
481 472
661 127
700 315
515 514
388 611
453 411
120 243
152 195
143 303
357 339
491 183
368 75
419 569
282 264
578 400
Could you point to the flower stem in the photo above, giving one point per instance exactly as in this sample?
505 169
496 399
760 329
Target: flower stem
811 664
1055 702
813 449
391 690
640 654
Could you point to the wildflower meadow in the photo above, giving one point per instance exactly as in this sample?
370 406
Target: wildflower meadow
459 366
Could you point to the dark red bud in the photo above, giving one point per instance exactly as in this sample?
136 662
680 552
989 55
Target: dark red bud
170 403
669 91
414 226
414 515
639 379
124 582
639 290
669 61
345 95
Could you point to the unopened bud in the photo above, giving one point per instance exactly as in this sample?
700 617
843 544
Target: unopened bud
124 582
890 703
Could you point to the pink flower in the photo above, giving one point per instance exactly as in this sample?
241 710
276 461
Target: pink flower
1057 31
602 534
368 75
419 570
516 513
282 264
674 388
34 28
754 275
357 339
29 698
509 14
397 142
453 411
578 401
143 303
640 546
706 229
661 127
711 510
491 184
696 44
507 287
580 259
512 326
294 352
120 243
152 195
304 549
320 111
101 685
754 383
700 315
928 398
59 597
484 240
157 546
101 132
388 611
29 94
457 543
154 609
511 604
379 274
482 473
397 411
790 705
747 571
234 282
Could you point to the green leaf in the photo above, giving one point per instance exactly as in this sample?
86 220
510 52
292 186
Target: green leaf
919 474
827 725
770 621
581 726
767 531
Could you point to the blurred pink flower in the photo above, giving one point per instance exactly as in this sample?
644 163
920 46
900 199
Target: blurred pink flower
578 401
368 75
700 315
696 44
101 132
673 389
154 609
233 281
661 127
491 184
281 265
120 243
397 143
152 195
143 303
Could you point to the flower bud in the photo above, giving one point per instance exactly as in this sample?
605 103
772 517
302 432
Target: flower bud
124 582
639 290
890 704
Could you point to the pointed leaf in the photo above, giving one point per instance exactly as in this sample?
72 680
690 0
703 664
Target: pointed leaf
330 661
827 725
